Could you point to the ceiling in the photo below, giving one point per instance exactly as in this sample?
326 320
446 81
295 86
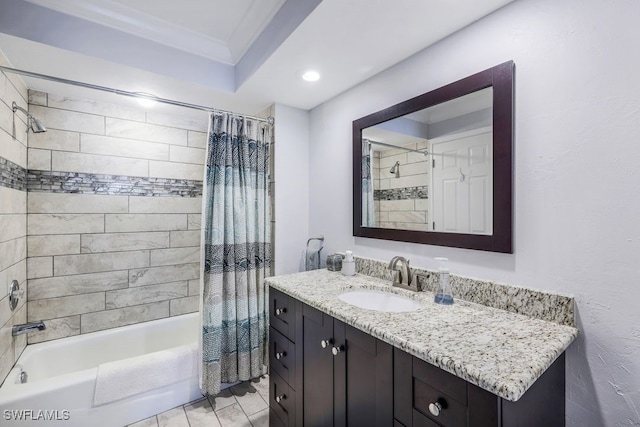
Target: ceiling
239 55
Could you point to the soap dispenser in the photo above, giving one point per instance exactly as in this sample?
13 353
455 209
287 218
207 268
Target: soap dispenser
443 294
348 264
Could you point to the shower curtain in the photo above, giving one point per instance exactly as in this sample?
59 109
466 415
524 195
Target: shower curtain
236 250
368 213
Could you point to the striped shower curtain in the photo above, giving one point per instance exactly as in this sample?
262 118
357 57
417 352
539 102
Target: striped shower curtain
236 251
368 213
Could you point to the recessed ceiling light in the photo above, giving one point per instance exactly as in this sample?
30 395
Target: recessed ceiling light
311 76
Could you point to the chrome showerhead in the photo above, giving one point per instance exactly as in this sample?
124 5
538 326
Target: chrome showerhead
34 124
395 169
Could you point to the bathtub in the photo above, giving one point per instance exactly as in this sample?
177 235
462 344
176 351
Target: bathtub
61 377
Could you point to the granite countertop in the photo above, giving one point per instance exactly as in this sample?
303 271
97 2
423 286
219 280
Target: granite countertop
499 351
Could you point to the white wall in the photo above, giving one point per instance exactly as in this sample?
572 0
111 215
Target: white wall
577 171
291 207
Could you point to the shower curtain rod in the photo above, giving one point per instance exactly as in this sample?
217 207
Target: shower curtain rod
425 153
269 120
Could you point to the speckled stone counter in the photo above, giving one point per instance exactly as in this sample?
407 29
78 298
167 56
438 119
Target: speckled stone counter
499 351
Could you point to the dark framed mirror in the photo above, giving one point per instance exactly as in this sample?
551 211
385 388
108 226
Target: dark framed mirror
438 168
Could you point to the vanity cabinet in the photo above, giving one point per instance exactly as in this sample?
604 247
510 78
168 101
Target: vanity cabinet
324 372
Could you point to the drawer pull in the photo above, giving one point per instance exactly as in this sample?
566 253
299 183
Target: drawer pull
326 343
281 354
281 398
280 311
337 350
435 408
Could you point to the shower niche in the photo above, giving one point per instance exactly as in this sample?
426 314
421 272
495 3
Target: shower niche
437 168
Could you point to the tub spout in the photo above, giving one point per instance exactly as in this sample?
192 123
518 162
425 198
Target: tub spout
28 327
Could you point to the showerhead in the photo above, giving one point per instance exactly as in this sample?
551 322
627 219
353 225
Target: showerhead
395 169
35 125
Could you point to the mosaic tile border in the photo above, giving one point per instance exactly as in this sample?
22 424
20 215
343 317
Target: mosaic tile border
12 175
421 192
529 302
88 183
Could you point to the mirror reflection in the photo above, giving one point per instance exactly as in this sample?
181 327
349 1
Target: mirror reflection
432 170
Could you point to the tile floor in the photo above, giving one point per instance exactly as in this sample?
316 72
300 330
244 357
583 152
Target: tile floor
243 405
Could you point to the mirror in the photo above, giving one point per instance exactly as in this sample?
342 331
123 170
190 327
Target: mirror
437 169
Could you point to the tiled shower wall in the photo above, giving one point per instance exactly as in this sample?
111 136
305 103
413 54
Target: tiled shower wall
13 214
113 224
401 202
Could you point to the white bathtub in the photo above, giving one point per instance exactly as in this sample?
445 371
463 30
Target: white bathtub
62 377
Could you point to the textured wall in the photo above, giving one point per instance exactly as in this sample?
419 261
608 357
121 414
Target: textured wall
113 221
577 151
13 214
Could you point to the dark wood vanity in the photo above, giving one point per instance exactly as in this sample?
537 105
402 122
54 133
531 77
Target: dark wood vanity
324 372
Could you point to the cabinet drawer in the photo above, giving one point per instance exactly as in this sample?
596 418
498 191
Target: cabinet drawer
440 380
451 414
282 313
282 356
282 399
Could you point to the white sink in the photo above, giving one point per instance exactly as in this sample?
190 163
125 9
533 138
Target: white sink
379 301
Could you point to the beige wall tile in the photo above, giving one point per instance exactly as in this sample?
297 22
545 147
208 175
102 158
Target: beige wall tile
175 256
176 170
160 205
95 107
123 316
37 98
386 162
408 216
145 132
146 294
13 251
12 149
64 223
144 222
190 123
52 287
19 342
53 203
94 263
7 359
194 221
69 120
107 145
54 139
396 205
39 267
13 201
184 305
197 139
114 242
57 328
39 159
421 204
186 155
181 239
194 287
157 275
12 226
65 306
60 244
93 163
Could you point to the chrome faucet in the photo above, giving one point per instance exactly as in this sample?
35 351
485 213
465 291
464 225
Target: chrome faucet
28 327
401 276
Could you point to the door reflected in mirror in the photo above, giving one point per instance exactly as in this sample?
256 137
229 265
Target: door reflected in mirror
432 170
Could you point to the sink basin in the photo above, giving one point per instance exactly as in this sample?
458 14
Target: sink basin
379 301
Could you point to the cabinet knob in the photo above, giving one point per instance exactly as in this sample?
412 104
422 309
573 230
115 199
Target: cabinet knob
435 408
281 398
326 343
280 311
281 354
337 350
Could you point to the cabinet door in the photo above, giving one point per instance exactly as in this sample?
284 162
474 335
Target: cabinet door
317 362
363 378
